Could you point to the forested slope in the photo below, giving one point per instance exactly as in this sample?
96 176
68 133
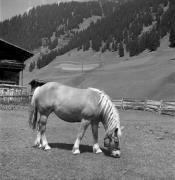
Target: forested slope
125 26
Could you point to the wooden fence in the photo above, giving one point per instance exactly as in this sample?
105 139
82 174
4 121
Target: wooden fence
14 102
162 106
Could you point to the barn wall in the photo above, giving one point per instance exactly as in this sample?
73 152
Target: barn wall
9 75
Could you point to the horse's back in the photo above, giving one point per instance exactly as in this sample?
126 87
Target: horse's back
68 101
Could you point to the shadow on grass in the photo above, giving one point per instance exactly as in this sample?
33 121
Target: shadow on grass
83 148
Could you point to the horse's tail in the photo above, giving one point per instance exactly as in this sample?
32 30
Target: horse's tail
33 111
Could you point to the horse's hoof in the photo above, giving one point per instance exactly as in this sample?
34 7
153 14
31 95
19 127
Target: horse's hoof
97 151
40 146
47 147
37 144
75 151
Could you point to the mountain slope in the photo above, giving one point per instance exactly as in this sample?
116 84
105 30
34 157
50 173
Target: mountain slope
149 75
27 30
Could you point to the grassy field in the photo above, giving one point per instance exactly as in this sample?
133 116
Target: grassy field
147 148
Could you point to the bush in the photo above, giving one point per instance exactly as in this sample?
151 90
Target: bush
121 50
32 66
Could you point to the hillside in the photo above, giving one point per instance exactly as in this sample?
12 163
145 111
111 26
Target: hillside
27 30
150 75
122 25
125 28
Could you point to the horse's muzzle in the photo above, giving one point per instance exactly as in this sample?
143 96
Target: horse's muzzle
115 153
112 144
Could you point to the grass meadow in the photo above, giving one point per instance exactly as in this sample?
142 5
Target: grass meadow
147 148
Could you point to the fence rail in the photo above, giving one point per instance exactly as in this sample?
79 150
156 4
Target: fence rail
162 106
14 102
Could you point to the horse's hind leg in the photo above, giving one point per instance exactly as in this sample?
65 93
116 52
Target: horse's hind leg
96 147
42 129
84 125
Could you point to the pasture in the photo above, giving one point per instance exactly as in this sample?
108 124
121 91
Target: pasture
147 148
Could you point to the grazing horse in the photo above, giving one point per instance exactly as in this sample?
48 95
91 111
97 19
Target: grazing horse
88 106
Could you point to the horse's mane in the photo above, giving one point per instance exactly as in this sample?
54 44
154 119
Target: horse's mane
110 115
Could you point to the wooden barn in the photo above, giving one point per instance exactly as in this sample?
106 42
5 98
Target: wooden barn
12 60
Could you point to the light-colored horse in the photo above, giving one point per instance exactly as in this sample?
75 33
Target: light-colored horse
88 106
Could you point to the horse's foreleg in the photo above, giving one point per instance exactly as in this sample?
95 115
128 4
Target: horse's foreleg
42 129
45 143
38 140
84 125
96 147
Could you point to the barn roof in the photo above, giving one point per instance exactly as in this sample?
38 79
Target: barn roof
13 52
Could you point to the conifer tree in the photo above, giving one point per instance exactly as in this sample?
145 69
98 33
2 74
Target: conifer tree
154 40
31 66
172 23
172 37
121 49
134 47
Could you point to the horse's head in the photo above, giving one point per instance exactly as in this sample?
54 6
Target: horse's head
112 142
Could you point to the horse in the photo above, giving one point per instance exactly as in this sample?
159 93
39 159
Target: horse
88 106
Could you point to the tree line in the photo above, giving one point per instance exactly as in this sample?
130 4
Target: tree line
27 30
131 26
124 28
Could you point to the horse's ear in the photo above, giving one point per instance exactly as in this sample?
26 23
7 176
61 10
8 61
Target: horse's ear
118 131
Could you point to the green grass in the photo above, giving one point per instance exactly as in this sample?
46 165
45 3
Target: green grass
147 148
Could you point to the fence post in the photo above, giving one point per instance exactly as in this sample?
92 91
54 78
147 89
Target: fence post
160 107
123 104
145 104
